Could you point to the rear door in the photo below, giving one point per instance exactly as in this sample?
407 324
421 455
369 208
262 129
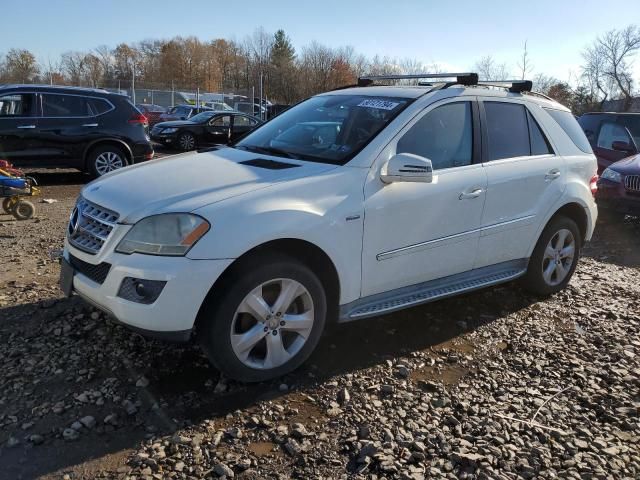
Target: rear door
19 127
218 129
241 126
525 179
67 125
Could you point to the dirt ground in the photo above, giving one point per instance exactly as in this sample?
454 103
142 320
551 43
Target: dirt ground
160 410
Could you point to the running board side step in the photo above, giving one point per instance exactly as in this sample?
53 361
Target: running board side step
413 295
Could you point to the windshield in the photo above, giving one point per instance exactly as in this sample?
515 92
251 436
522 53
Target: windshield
328 128
202 117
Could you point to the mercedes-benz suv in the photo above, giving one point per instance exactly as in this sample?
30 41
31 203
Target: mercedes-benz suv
415 194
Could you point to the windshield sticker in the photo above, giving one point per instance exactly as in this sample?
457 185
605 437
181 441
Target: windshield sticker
379 104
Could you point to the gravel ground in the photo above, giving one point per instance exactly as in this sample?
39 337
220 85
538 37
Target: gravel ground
495 384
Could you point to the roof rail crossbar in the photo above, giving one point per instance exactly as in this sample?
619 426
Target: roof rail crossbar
461 78
515 86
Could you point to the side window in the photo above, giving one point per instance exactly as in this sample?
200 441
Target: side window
223 121
253 122
17 105
612 132
98 106
570 125
444 135
241 121
539 143
64 106
507 130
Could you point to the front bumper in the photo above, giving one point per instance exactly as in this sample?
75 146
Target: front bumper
164 139
613 196
172 315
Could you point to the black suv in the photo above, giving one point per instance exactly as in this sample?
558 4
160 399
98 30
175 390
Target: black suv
613 136
93 130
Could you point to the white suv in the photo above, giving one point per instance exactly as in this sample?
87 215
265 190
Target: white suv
353 203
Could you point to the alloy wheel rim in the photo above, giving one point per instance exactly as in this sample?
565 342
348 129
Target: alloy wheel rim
272 323
108 162
187 142
558 257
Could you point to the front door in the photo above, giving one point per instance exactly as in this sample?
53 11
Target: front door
611 132
416 232
19 128
525 179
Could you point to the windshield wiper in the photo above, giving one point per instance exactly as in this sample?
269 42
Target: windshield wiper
269 151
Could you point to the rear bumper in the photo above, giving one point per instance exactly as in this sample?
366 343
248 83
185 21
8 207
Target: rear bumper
142 151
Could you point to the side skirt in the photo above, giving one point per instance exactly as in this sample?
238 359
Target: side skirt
432 290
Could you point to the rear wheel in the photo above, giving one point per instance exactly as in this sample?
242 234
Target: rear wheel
186 141
7 204
23 210
555 257
105 159
266 322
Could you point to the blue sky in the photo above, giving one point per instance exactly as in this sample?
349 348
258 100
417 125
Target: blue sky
453 34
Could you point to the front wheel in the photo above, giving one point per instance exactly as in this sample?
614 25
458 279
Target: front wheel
266 322
186 141
554 258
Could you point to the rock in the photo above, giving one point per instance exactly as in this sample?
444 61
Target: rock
222 470
143 382
88 421
283 387
13 442
111 419
69 434
178 467
35 439
343 396
292 447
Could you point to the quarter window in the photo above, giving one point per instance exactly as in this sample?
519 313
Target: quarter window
570 125
99 106
444 135
241 121
539 143
17 105
612 132
507 130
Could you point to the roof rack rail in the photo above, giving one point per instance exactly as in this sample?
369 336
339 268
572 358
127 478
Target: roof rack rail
540 95
515 86
468 78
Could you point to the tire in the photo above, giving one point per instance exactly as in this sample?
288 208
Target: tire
186 141
105 159
7 205
538 280
23 210
224 318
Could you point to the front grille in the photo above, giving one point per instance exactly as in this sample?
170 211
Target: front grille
90 226
632 183
97 273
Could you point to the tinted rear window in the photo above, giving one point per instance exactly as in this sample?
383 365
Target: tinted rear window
507 129
64 106
99 106
571 127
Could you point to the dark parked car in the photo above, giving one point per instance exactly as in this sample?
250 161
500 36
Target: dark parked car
619 188
613 136
93 130
183 112
152 112
206 128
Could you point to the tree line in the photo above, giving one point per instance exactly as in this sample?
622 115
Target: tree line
288 74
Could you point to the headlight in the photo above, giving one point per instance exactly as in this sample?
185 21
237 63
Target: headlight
170 234
169 130
611 175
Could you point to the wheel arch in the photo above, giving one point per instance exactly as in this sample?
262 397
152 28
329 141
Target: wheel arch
573 210
304 251
106 141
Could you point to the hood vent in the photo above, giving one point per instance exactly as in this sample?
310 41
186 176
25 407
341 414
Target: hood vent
269 164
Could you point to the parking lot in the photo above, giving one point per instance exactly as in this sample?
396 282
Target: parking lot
495 384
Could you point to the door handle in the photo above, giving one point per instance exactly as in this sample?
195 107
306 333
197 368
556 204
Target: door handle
89 124
475 193
552 174
26 126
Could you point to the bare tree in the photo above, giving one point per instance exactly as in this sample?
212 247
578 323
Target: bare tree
524 65
21 65
488 69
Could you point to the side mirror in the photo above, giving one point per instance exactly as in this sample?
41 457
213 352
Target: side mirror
623 147
407 167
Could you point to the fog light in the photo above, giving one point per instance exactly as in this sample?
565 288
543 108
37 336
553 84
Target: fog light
140 290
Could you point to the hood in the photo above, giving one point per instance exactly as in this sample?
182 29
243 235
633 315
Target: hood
175 123
185 182
627 166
